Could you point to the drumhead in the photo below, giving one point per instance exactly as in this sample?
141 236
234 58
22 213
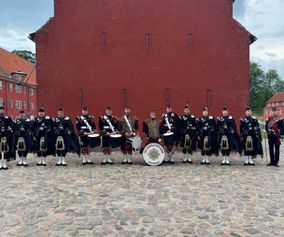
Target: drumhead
136 142
94 135
154 154
168 134
115 135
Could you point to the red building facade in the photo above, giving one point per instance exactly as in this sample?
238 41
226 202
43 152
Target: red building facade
276 101
144 54
16 95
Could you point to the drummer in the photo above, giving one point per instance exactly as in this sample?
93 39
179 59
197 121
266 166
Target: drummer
85 125
129 128
151 128
108 125
170 130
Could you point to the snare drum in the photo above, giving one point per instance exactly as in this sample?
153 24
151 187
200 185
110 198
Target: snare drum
154 154
115 140
94 140
169 138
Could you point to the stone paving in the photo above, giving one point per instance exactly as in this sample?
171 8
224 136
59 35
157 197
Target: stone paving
139 200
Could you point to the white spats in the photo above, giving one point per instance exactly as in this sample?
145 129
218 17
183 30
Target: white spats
109 160
20 162
44 161
4 165
25 163
224 160
63 161
124 161
104 160
58 161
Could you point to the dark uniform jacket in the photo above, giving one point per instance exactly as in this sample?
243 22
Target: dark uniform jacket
6 133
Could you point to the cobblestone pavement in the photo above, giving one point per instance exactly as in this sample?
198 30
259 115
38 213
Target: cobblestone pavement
139 200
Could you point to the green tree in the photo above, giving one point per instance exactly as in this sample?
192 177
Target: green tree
263 85
28 55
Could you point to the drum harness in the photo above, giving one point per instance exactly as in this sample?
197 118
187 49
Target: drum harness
109 123
87 124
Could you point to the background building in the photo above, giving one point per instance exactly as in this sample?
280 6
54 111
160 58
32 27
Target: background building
276 101
144 54
17 84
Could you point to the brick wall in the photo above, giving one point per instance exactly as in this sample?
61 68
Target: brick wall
75 59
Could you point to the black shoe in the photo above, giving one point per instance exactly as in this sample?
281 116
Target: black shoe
228 164
130 163
38 164
124 162
44 164
276 165
90 162
252 164
202 162
58 164
5 168
208 163
223 163
26 165
64 165
172 162
246 164
19 164
103 163
84 163
189 162
166 161
110 163
184 161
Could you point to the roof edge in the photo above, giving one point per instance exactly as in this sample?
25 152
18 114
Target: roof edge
33 35
252 37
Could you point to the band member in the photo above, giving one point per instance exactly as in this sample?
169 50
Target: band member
6 139
65 139
129 128
229 139
170 130
44 136
250 137
85 125
188 134
273 129
23 138
207 136
151 128
109 125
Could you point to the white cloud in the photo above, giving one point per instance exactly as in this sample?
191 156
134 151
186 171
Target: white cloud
12 37
265 19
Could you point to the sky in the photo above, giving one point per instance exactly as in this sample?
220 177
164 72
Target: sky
263 18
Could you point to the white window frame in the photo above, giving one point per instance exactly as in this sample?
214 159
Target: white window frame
18 104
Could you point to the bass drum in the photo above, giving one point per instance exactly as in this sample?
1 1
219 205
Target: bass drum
154 154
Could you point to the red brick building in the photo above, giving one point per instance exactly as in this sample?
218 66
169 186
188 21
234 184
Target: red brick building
276 101
17 96
144 54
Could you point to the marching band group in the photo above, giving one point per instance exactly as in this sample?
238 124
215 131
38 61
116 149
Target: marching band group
45 136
